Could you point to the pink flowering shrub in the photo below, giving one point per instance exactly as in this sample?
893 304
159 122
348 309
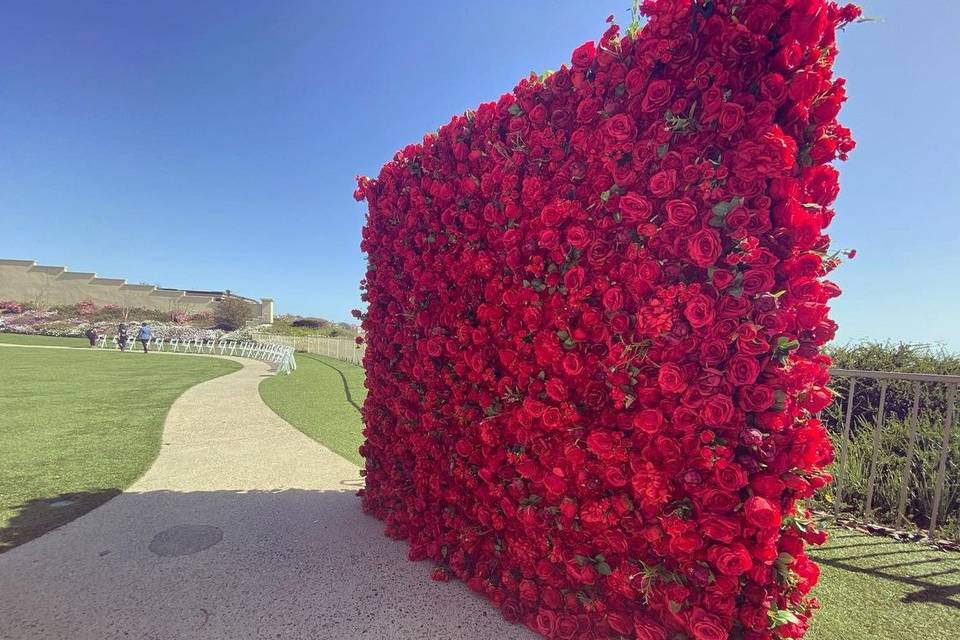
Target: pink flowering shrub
86 308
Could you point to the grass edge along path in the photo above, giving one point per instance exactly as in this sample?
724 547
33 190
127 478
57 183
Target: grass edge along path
322 399
78 427
871 588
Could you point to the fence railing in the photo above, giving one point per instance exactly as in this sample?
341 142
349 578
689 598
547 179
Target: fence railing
939 390
281 356
339 348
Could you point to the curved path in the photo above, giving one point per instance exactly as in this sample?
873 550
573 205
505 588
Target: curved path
242 528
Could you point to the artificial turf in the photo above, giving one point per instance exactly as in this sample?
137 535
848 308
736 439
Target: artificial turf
77 427
877 588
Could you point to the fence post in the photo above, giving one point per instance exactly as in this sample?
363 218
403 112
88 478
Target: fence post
877 435
944 454
844 445
911 444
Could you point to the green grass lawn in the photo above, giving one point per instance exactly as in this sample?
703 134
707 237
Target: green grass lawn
51 341
77 427
877 588
322 398
871 588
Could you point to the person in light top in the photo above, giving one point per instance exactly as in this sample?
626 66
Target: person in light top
143 335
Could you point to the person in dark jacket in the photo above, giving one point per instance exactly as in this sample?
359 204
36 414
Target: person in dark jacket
92 336
122 336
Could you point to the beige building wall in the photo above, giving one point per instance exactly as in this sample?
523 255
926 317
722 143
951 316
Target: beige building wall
46 286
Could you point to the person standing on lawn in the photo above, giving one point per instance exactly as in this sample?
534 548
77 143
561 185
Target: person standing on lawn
143 335
91 334
122 336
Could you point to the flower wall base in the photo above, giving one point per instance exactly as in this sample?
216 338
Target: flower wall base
595 309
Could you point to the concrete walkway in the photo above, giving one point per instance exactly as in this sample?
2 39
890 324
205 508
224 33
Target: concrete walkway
242 528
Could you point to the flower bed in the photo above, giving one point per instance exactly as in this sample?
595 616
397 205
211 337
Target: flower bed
65 322
595 315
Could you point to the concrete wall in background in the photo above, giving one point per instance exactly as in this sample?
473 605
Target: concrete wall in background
27 282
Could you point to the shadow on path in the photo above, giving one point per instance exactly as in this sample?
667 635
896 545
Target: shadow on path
37 516
292 563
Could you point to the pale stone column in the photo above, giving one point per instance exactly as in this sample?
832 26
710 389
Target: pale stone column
266 310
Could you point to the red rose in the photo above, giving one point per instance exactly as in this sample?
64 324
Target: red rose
546 622
614 477
583 55
588 110
554 484
556 390
600 443
755 618
731 477
613 299
567 627
635 80
767 486
648 420
620 127
681 212
761 513
757 280
657 95
731 118
671 378
699 311
578 237
717 411
758 397
635 208
510 610
620 622
552 418
533 407
719 528
549 239
773 88
704 247
713 352
647 629
723 278
737 218
663 183
730 561
574 278
704 626
742 370
822 184
718 501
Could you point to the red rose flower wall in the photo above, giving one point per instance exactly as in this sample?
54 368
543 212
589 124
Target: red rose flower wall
595 314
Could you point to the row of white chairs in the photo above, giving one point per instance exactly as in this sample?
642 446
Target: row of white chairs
277 354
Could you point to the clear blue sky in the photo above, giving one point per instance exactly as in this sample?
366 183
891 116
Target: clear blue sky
214 144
